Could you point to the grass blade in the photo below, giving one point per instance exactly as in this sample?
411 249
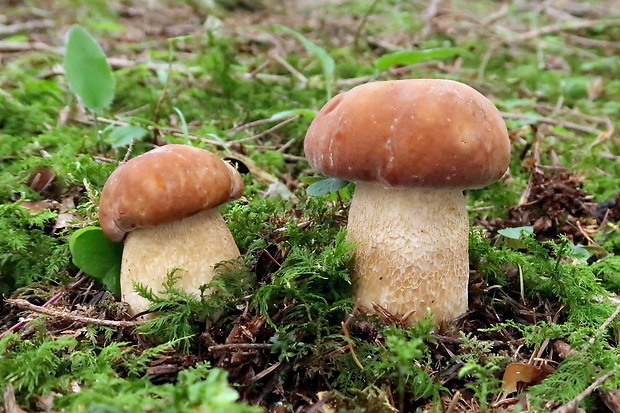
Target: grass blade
411 57
327 62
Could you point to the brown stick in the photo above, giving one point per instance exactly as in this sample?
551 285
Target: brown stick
551 121
28 306
239 346
52 300
268 131
563 26
25 27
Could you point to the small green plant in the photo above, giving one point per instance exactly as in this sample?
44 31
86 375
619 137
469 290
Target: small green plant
90 78
179 313
486 383
555 270
475 351
405 362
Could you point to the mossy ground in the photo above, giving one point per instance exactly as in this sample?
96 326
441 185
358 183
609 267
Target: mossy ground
283 332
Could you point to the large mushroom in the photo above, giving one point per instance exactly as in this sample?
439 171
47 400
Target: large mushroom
163 204
412 146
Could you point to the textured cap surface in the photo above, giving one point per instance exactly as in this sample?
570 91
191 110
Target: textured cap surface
166 184
417 132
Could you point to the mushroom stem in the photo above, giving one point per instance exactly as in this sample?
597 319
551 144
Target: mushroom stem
412 250
194 245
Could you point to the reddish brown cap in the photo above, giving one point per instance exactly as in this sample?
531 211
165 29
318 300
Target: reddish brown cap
166 184
418 132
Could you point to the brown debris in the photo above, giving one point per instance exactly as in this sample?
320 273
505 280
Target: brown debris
168 365
554 203
42 181
608 210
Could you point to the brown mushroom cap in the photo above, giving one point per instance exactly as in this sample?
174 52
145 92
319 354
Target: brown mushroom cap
417 132
166 184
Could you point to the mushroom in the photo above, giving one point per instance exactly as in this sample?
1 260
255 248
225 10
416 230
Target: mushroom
412 146
163 204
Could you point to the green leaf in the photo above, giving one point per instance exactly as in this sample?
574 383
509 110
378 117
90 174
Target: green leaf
87 70
515 233
123 135
411 57
579 252
97 256
311 179
326 186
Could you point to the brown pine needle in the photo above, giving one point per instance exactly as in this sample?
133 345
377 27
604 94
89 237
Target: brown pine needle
345 330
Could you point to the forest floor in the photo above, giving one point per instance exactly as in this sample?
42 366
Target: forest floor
244 79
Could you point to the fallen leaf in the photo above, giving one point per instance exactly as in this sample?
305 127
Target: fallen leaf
524 373
36 206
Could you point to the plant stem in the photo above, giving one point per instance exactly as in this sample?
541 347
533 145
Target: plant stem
98 129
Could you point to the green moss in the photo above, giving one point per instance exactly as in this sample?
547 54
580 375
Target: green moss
29 251
50 366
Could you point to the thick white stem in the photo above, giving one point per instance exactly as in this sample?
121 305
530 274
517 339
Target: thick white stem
412 250
194 244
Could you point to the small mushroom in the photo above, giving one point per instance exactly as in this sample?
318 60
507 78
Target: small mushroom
412 146
163 204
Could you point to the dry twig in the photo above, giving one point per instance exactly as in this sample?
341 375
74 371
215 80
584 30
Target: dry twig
239 346
268 131
28 26
551 121
432 10
51 301
564 26
65 315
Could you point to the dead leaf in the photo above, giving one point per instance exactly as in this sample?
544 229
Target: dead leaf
37 206
602 137
524 373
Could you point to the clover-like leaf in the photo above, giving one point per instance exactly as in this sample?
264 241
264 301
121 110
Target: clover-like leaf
326 186
97 256
515 233
124 134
